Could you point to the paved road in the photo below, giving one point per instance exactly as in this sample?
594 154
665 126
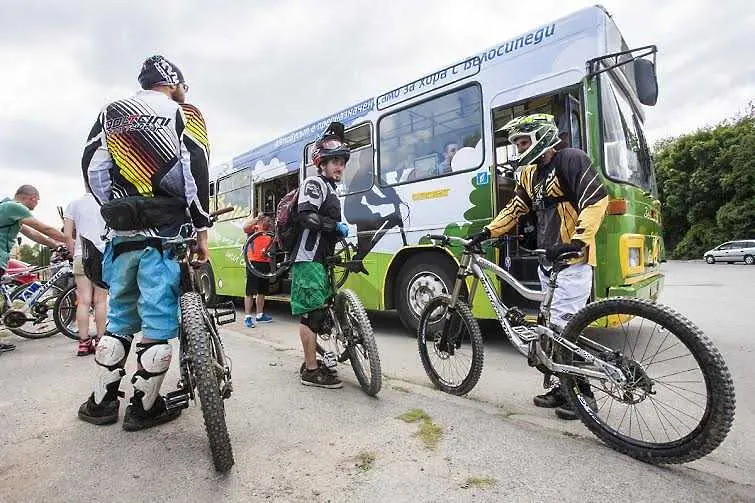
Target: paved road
294 443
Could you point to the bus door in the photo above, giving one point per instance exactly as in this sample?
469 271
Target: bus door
268 193
564 105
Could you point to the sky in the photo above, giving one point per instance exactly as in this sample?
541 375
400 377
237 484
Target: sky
260 69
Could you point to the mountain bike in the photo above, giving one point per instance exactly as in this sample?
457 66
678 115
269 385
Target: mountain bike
346 333
27 308
204 367
649 384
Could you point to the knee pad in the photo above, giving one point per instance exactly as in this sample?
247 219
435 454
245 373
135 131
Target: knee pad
111 354
316 320
154 361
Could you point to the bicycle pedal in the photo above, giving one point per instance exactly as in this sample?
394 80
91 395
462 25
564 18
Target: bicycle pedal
525 333
176 400
225 313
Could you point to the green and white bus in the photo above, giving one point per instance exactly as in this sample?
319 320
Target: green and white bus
428 158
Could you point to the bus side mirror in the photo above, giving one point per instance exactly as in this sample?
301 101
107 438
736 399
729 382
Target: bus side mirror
646 81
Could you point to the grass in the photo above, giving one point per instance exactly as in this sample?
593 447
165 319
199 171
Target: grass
365 460
478 483
414 415
430 433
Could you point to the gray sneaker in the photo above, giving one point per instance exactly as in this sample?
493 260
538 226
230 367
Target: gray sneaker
321 378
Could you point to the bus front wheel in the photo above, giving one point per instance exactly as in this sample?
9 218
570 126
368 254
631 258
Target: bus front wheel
422 278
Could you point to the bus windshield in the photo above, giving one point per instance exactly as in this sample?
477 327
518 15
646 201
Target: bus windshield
627 158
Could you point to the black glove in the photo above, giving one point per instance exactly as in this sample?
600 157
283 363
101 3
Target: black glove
555 251
475 239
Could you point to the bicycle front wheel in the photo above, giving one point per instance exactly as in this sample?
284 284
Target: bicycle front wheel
43 325
208 378
360 345
677 404
450 345
275 263
64 313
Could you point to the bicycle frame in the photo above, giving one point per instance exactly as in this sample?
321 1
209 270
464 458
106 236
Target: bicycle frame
526 339
63 270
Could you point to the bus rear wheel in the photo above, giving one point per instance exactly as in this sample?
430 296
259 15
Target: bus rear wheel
422 278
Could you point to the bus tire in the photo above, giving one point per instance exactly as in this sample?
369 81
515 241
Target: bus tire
206 280
422 278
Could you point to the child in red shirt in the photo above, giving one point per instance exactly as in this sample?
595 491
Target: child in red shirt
257 288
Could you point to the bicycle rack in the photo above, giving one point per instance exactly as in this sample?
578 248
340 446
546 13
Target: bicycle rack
225 313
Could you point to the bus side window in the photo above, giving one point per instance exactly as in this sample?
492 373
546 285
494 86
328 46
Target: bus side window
433 138
235 190
213 203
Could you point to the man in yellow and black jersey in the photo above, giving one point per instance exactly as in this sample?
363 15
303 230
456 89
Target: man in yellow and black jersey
564 192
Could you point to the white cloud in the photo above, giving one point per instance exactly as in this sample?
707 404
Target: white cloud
258 70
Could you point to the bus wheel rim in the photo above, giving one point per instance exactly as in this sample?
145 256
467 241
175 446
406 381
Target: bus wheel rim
423 287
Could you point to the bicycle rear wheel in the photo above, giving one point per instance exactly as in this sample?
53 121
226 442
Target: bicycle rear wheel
360 345
64 313
208 376
341 272
678 403
450 345
278 261
43 325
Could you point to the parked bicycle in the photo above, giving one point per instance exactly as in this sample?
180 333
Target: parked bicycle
27 308
346 332
650 385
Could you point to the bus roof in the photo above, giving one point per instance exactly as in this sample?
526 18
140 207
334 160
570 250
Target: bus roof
290 145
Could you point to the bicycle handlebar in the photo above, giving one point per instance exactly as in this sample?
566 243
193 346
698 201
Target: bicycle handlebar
222 211
540 252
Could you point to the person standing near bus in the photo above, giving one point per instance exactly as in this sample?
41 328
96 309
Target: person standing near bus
82 219
565 193
257 288
320 225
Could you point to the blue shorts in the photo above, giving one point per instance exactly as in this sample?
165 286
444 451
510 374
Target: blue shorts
144 290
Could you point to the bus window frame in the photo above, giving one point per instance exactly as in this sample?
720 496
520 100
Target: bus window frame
213 203
420 102
618 81
307 161
233 214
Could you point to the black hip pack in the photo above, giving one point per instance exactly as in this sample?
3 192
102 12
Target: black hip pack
135 213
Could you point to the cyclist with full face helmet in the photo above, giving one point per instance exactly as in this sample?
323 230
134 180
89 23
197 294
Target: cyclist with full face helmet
320 225
565 193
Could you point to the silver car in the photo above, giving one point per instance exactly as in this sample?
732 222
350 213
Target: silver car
732 251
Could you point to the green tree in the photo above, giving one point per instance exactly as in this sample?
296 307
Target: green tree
28 253
706 182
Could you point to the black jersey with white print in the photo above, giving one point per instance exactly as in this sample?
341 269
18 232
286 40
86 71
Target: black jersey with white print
149 145
318 194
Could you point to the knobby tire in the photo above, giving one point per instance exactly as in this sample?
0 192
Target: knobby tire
206 379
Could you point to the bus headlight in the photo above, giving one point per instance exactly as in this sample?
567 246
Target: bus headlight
634 257
631 247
